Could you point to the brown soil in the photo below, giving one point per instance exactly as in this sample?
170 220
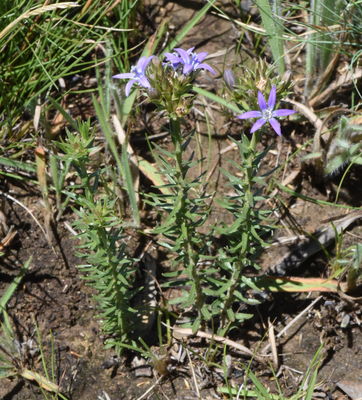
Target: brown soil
55 300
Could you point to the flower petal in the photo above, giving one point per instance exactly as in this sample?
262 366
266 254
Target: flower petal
190 50
275 125
188 68
272 97
129 87
283 112
173 58
143 81
261 101
143 62
258 124
200 57
126 75
207 67
249 114
184 55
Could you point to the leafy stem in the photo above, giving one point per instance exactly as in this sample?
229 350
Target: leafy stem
187 229
246 235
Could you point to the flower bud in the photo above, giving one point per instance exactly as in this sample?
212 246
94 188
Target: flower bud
229 79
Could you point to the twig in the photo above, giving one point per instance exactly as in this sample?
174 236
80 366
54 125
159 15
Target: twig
181 332
5 242
272 343
193 375
291 323
149 390
26 209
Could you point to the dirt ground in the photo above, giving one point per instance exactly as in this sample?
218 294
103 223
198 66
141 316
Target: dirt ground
54 298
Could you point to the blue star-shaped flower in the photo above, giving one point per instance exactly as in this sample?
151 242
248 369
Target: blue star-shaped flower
267 112
137 75
188 60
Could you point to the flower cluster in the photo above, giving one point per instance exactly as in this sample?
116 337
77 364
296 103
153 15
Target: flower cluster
188 61
169 84
185 62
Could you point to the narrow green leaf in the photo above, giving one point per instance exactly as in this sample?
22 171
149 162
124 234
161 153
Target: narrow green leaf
18 165
217 99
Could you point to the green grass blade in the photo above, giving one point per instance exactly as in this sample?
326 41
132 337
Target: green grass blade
319 49
34 12
67 117
122 163
312 200
10 290
274 30
310 377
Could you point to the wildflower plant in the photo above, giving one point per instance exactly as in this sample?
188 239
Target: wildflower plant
211 278
106 265
212 293
345 147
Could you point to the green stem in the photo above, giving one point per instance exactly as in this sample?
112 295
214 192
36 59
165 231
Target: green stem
190 255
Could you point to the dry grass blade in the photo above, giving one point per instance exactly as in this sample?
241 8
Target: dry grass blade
8 238
122 139
308 112
34 12
150 389
292 322
319 239
41 380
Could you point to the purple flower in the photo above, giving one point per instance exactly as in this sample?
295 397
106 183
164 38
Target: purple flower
188 60
266 113
137 75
